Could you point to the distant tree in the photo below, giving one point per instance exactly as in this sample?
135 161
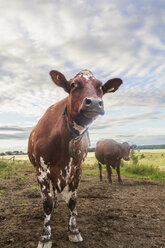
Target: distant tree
151 147
8 153
2 154
92 149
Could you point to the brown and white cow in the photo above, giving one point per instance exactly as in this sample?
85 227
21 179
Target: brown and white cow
110 152
59 143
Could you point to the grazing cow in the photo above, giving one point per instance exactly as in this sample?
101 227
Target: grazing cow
110 152
58 144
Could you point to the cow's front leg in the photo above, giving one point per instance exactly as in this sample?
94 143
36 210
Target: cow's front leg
74 234
48 205
118 172
55 199
70 196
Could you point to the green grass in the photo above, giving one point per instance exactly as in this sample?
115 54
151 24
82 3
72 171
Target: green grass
2 191
33 187
92 169
17 167
151 165
90 172
143 171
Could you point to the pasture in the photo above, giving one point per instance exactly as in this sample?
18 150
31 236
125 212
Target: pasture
128 215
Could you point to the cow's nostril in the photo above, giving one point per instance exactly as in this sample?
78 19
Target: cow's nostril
88 101
101 103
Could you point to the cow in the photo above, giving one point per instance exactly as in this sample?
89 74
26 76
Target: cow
59 143
110 152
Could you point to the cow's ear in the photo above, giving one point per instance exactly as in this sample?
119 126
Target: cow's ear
60 80
133 146
111 85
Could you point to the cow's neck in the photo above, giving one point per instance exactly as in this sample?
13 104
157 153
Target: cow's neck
74 129
76 132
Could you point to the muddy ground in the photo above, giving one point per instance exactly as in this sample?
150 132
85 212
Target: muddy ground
117 216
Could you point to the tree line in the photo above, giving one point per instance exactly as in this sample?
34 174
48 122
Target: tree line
92 149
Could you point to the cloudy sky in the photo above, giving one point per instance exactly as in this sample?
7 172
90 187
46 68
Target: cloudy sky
112 38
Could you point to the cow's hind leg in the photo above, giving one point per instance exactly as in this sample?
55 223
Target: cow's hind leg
48 205
100 169
109 173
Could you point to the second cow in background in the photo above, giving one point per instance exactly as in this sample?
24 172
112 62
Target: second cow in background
110 152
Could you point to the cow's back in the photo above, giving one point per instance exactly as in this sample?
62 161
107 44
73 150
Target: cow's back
46 133
107 150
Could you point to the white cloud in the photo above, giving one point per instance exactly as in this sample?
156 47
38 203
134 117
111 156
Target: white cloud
112 38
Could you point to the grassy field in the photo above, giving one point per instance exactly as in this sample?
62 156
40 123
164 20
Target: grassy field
149 164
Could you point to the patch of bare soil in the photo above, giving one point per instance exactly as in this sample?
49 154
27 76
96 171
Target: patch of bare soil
117 216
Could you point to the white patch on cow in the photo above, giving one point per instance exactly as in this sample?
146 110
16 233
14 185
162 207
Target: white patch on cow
49 194
66 194
44 171
79 128
62 175
42 177
79 152
43 165
59 184
84 156
42 194
43 188
47 228
68 171
72 177
47 219
72 221
86 74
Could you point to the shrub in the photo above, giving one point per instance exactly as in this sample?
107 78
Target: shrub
142 156
134 157
122 163
146 171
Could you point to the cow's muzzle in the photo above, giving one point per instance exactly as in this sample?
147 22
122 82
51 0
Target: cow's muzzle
92 107
127 159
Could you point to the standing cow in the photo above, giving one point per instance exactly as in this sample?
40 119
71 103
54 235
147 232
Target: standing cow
110 152
59 143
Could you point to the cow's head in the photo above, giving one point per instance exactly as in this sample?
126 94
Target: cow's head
85 95
126 150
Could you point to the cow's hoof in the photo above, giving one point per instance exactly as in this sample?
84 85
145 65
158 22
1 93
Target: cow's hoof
44 245
75 238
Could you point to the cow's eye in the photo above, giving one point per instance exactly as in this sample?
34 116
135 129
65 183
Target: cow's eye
99 89
72 85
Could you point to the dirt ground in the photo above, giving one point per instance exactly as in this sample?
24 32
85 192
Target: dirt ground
117 216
